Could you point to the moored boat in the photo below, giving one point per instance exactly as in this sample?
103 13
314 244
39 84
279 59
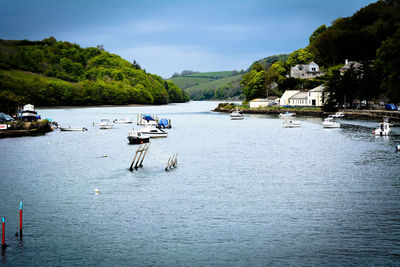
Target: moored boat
291 124
137 137
287 114
329 123
123 120
105 124
338 115
153 132
69 128
236 115
384 128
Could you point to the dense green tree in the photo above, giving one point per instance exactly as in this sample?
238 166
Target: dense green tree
388 63
317 33
87 76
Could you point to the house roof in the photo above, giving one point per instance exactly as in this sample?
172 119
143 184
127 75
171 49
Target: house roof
258 100
355 65
270 98
318 88
300 95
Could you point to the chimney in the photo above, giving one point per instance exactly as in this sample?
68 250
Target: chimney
346 61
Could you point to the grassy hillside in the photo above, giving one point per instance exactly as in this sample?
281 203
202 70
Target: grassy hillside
224 88
67 74
186 81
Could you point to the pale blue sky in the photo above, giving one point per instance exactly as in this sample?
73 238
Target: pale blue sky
171 36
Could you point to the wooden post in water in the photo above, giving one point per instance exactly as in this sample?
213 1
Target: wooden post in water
145 152
20 220
166 168
175 160
140 155
3 234
134 159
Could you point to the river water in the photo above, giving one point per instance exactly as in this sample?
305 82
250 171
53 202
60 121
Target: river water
245 193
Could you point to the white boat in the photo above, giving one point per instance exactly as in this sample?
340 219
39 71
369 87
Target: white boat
236 115
338 115
137 137
384 128
105 124
83 128
123 120
329 123
291 124
153 132
287 114
147 120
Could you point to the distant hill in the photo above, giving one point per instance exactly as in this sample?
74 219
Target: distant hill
209 85
51 72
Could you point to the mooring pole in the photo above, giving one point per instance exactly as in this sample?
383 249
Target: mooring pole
166 168
133 161
20 220
145 152
175 159
140 155
3 234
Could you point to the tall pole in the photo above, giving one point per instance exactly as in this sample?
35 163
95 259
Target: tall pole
20 219
3 238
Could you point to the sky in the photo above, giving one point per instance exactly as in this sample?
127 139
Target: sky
165 37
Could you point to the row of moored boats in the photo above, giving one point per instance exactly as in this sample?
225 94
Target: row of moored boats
151 129
329 122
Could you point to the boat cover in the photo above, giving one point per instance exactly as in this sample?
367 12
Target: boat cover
148 118
163 123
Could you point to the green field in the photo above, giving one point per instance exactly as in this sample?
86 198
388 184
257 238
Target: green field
200 78
217 89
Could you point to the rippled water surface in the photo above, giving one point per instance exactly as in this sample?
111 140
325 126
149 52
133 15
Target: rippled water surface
245 193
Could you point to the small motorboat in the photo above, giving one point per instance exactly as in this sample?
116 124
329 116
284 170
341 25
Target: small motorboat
384 128
236 115
291 124
137 137
287 114
329 123
106 124
164 123
147 120
123 120
69 128
153 132
338 115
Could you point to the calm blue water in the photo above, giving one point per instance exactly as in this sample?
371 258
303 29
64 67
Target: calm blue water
245 193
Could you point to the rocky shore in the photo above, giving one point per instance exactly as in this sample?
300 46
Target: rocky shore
393 116
19 128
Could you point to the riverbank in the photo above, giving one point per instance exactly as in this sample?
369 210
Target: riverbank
19 129
315 112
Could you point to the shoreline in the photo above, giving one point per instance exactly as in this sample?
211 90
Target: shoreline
350 114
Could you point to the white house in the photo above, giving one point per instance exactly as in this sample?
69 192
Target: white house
286 95
316 96
306 98
299 99
305 71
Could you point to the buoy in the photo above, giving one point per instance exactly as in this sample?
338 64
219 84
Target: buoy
96 191
398 148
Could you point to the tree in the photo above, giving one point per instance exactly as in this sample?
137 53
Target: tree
388 64
317 32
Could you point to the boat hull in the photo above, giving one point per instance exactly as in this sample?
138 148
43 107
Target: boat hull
237 117
331 125
136 141
73 129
